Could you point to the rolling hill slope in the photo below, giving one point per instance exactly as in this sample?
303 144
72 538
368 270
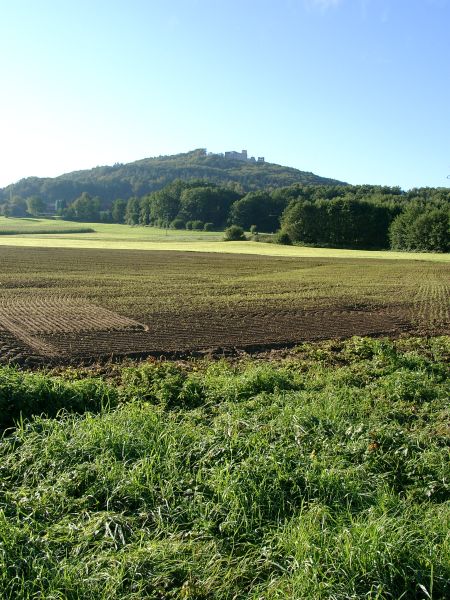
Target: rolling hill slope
143 176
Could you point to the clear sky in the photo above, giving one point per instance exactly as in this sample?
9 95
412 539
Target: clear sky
358 90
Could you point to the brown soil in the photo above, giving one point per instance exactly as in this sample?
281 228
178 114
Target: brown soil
29 326
75 306
63 330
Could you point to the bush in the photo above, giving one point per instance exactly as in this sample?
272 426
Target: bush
283 237
177 224
208 227
189 225
235 233
197 225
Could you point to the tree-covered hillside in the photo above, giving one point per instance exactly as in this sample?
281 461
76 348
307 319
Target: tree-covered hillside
144 176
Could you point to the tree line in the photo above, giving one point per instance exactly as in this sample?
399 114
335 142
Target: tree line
367 217
361 216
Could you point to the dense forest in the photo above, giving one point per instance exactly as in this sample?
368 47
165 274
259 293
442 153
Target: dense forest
369 217
365 217
329 214
150 174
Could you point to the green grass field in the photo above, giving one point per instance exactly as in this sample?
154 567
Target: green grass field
27 226
324 475
125 237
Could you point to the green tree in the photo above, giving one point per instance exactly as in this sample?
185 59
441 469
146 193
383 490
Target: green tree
421 228
85 208
132 212
301 222
258 208
165 204
118 210
210 204
343 222
145 210
35 205
17 207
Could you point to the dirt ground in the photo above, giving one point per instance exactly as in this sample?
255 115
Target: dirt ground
67 306
100 333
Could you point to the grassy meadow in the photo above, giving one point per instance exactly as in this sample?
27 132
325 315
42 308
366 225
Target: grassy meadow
324 475
66 234
31 225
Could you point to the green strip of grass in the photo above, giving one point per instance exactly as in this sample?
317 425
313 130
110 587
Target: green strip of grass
321 476
124 237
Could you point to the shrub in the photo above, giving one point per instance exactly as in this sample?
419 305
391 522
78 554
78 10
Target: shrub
189 225
208 227
197 225
177 224
234 233
284 238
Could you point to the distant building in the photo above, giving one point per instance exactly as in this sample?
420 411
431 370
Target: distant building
232 154
243 156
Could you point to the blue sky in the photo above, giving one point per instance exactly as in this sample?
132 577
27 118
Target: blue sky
358 90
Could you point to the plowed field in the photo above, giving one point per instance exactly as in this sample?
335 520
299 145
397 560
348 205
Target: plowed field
64 305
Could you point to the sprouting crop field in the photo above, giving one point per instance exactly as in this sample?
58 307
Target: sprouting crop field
79 304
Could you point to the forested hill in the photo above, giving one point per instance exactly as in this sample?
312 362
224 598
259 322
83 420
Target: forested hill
144 176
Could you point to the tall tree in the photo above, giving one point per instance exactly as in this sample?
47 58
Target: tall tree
17 207
421 227
118 210
210 204
86 208
258 208
35 205
132 211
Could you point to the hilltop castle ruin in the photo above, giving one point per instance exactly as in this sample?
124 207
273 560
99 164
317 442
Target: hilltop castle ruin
233 155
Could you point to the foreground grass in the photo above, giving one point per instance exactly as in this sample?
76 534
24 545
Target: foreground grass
325 475
125 237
